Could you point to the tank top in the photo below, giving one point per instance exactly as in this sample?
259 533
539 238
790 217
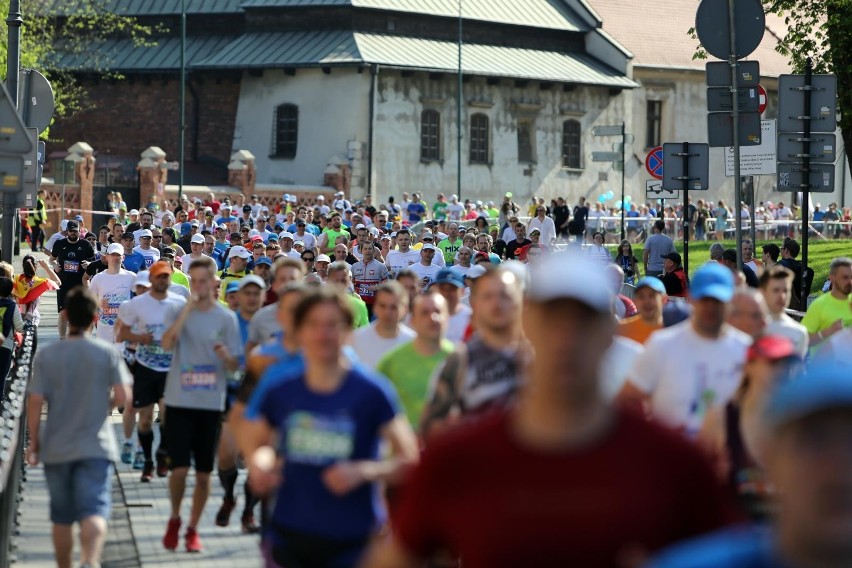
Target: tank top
332 237
747 479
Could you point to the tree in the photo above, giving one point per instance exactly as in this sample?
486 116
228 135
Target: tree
821 30
56 28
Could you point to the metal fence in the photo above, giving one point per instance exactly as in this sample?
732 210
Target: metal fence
13 428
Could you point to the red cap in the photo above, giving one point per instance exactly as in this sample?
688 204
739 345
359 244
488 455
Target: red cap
771 347
256 238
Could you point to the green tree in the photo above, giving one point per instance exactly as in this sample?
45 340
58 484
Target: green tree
821 30
56 28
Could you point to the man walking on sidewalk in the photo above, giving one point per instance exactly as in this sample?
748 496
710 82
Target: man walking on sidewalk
78 445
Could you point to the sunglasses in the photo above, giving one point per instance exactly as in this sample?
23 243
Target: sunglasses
308 258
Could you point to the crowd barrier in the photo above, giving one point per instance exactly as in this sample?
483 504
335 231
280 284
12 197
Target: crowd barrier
13 434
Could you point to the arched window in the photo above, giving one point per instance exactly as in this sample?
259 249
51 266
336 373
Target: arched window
286 131
430 135
479 134
571 144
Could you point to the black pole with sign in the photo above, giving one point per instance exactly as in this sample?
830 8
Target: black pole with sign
806 179
685 212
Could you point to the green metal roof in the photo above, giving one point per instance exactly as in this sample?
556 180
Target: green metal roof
123 55
312 49
146 7
549 14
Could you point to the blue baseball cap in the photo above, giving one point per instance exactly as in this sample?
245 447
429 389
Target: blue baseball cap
185 228
822 386
263 260
233 286
653 283
273 237
713 281
448 276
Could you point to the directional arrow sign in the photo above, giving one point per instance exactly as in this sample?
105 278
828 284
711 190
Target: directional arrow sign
14 138
606 156
613 130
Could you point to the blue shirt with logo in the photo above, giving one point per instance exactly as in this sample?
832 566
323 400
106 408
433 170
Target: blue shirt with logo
317 431
133 262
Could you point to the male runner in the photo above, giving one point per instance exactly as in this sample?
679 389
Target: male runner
68 255
112 288
386 332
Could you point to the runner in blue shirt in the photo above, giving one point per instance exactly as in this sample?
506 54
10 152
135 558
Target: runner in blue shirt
329 420
416 210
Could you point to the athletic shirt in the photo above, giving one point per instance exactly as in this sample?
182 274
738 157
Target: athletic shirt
332 237
114 289
366 275
319 430
492 377
747 479
70 256
146 314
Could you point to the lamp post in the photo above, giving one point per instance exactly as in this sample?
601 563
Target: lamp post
181 156
459 108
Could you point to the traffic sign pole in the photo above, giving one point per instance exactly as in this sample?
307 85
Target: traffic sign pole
685 210
623 173
13 63
738 189
806 186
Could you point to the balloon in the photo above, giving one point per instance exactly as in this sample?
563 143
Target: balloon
609 195
618 204
602 198
627 199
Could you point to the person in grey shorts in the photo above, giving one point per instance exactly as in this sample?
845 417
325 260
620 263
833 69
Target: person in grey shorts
81 379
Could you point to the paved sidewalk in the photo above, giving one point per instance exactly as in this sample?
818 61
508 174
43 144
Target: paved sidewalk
140 511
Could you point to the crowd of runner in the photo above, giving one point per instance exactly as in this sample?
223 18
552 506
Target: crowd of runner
484 397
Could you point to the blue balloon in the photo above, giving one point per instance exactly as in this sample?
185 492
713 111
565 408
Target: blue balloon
602 198
627 199
618 204
610 195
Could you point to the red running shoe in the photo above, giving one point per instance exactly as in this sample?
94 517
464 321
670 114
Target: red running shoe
172 537
193 541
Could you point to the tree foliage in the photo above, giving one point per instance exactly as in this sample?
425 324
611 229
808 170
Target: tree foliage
56 28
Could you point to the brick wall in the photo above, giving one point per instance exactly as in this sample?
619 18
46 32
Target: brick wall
143 110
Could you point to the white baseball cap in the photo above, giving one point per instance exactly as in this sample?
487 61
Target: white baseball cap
285 235
567 276
427 246
143 279
252 279
297 243
146 233
197 239
475 271
322 258
63 225
115 248
239 251
134 212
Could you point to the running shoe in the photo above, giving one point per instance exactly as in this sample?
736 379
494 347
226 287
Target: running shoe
223 517
147 472
139 460
172 536
127 453
193 541
249 526
162 463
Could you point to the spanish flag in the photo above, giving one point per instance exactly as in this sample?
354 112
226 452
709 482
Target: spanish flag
29 290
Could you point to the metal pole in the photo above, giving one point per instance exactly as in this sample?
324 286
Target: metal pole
13 63
753 228
181 156
459 109
735 102
806 181
685 209
623 151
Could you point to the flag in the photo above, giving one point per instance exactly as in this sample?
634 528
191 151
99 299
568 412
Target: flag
27 291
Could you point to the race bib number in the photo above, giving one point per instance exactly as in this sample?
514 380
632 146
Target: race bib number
70 266
319 440
198 378
149 260
365 290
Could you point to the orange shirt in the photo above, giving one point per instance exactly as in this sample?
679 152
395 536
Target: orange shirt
636 329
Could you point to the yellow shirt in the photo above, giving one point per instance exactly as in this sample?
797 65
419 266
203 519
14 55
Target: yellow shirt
826 310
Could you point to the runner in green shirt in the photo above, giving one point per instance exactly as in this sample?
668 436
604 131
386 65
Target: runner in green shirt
831 312
411 365
450 246
439 210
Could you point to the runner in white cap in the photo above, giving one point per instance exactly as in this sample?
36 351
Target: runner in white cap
111 287
426 269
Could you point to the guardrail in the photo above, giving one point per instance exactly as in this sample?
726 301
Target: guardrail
13 428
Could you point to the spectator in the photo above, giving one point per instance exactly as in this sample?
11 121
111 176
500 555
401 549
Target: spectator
771 252
789 252
656 247
628 262
597 252
673 277
775 286
729 259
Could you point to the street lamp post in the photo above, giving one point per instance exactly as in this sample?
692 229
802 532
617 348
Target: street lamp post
181 156
459 109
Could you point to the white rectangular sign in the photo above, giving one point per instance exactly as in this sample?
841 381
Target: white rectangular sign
654 190
756 160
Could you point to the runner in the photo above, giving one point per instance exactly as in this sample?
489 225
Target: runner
450 284
411 365
450 246
829 314
426 270
776 284
68 255
692 367
404 256
732 434
144 248
386 332
807 457
205 337
80 379
265 324
112 288
545 466
238 257
133 261
340 274
649 298
367 274
748 312
485 372
196 244
251 289
143 320
329 421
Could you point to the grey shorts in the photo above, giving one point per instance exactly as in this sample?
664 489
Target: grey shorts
78 490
